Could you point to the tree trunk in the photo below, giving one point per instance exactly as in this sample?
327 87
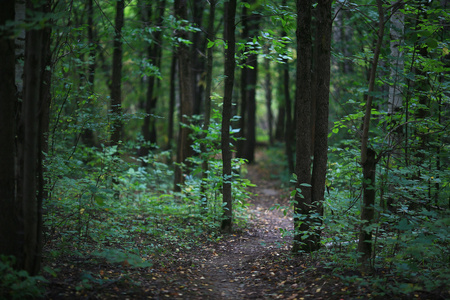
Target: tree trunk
268 91
154 52
9 244
366 153
88 134
29 140
116 82
186 96
302 206
250 89
198 49
289 132
229 35
322 95
367 211
170 119
243 90
207 115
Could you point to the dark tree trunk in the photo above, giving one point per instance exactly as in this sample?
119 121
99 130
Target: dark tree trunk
281 115
302 207
250 90
44 119
30 143
186 96
8 210
154 52
367 211
289 130
268 91
88 134
116 81
207 115
322 94
197 54
173 70
230 12
243 91
250 137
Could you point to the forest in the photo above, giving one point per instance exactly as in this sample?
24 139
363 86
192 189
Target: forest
224 149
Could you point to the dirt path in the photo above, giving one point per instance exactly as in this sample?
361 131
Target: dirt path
233 270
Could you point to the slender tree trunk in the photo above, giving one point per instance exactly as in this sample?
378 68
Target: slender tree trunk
9 244
88 134
44 121
289 131
207 115
281 114
186 96
230 12
154 51
302 207
243 90
367 161
268 91
250 90
172 79
116 82
198 62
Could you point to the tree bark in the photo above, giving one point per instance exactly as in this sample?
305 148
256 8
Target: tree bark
30 143
186 96
172 96
198 47
88 134
154 51
230 12
8 207
250 90
289 132
322 95
207 114
243 90
268 92
302 205
116 82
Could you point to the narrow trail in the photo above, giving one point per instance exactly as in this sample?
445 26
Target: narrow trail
233 270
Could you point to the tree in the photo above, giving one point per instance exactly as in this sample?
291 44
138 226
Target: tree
8 205
154 52
20 157
229 35
116 80
310 188
368 159
302 206
321 85
186 94
208 78
249 78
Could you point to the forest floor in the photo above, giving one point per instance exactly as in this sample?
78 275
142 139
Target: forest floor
252 263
